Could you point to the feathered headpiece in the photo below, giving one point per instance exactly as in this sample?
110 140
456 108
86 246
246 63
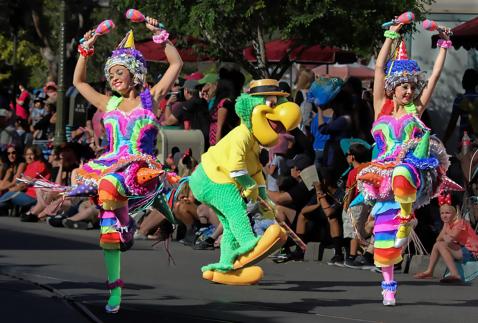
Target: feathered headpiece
401 70
126 55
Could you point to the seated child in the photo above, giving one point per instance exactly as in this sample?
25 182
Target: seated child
456 241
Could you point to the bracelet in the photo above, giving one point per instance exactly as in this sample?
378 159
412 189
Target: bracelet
391 34
85 51
444 43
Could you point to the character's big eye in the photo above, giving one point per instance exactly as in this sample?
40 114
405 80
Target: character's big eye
271 101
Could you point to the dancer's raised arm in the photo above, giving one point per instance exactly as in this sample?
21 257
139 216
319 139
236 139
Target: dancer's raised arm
379 95
79 76
422 100
175 64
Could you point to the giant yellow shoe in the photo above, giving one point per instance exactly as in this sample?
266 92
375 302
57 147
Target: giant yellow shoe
245 276
274 238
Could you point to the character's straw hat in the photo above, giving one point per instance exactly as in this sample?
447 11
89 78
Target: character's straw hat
266 87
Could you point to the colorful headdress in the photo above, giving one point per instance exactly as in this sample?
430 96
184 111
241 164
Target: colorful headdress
400 70
126 55
324 90
444 199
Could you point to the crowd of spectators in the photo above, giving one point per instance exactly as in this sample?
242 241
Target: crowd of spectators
333 138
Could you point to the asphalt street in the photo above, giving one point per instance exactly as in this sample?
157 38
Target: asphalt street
57 275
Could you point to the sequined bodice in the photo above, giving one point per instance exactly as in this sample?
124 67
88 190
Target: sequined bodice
389 133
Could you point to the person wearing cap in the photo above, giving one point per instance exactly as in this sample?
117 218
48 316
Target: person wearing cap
50 90
327 94
208 91
190 114
291 201
230 172
38 110
194 76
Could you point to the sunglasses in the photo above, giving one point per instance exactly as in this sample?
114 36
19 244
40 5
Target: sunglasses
11 153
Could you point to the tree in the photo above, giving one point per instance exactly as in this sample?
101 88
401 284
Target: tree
228 26
36 21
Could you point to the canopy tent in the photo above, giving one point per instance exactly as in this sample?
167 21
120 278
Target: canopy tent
153 52
277 50
345 71
465 35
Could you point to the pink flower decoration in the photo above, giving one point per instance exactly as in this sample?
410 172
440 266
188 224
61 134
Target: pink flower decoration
161 37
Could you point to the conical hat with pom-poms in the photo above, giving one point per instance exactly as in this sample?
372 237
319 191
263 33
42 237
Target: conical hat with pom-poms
400 69
126 55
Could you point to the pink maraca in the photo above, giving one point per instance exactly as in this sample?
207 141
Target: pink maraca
103 28
405 18
431 25
136 16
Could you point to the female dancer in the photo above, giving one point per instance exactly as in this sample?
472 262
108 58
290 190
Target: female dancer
411 165
132 128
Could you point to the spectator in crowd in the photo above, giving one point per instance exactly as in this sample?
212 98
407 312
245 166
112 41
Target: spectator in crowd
329 199
22 137
323 116
362 114
354 217
277 165
21 194
37 112
50 90
85 218
293 196
457 241
304 81
338 128
48 202
6 130
191 114
465 108
209 87
43 129
14 166
22 102
222 113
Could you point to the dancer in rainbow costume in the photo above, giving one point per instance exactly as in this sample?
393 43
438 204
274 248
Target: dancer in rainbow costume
231 172
411 165
127 177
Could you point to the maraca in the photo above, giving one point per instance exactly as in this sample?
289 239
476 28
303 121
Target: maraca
405 18
136 16
431 25
103 28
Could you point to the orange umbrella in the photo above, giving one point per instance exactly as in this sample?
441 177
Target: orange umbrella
345 71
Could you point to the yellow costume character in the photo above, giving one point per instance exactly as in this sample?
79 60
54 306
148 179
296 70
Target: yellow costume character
231 171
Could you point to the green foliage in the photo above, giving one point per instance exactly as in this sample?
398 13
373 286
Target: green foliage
227 26
29 62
